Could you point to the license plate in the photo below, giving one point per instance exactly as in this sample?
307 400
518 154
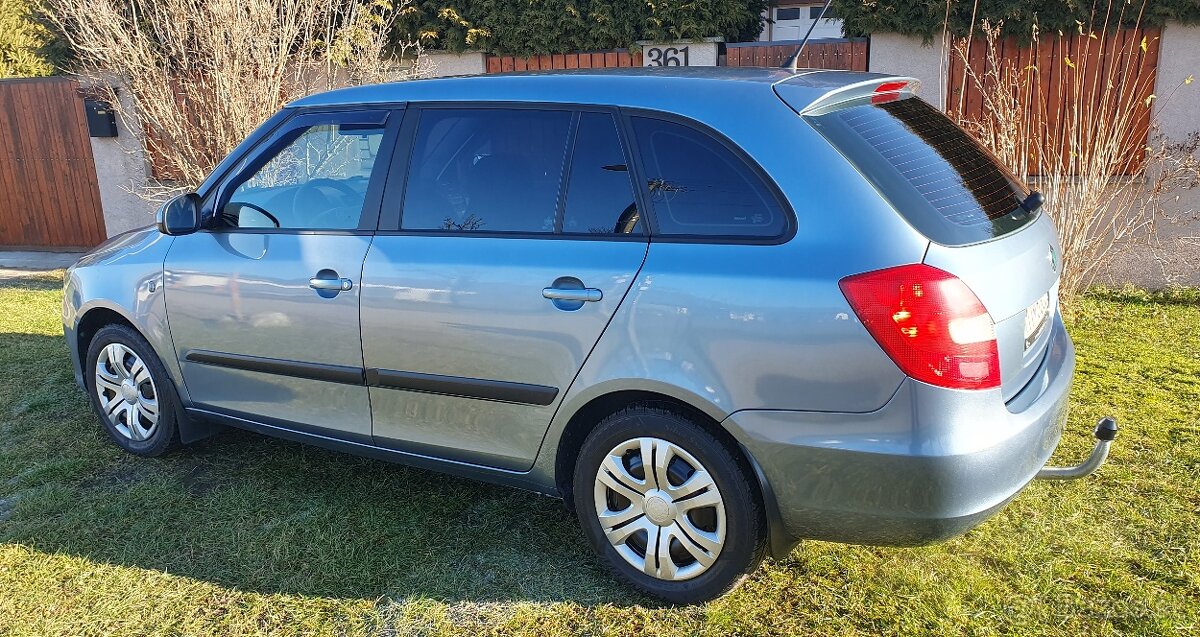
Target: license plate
1035 319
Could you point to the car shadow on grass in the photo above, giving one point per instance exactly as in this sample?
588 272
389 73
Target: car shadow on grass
259 514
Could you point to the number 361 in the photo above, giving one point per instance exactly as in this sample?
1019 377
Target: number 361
668 56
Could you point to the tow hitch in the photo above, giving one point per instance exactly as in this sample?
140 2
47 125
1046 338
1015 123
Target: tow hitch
1105 433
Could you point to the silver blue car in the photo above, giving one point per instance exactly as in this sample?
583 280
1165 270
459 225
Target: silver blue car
716 311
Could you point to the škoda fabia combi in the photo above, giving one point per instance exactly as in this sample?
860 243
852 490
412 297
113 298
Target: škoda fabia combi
716 311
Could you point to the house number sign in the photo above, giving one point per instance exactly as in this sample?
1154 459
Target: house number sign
667 56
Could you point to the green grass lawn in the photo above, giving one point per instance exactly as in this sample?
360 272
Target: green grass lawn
245 534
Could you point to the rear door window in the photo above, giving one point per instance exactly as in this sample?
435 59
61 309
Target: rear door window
699 187
486 170
933 173
599 192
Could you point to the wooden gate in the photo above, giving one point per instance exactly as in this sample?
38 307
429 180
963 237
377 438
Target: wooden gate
587 60
843 54
49 197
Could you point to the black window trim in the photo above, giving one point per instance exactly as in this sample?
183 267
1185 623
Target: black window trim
656 236
390 218
392 116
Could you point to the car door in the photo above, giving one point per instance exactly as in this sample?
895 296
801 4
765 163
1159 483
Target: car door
499 262
263 303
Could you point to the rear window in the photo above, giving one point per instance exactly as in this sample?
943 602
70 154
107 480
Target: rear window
940 179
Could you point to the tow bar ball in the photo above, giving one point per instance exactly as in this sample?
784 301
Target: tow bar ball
1105 433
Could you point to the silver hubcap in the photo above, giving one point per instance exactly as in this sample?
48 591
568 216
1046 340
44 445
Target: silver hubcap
127 393
660 509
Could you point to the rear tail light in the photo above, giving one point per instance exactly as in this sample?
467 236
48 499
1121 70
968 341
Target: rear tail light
930 323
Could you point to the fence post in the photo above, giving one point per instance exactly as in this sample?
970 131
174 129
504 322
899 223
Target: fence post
1179 58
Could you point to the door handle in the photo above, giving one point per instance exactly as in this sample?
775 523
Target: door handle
335 285
589 295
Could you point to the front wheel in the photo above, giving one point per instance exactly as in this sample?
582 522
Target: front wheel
131 392
668 505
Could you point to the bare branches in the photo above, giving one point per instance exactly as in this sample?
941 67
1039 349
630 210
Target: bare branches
204 73
1079 133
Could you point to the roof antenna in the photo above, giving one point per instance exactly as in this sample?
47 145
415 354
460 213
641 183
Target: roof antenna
793 62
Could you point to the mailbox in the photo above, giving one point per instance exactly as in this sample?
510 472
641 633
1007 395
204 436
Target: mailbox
102 121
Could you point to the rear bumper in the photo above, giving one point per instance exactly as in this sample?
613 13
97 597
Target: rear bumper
929 465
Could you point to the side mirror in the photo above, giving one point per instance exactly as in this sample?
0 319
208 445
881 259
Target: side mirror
180 215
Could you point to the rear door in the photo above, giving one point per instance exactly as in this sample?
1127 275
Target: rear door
973 211
505 247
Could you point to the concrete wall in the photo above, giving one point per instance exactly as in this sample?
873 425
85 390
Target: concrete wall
122 171
444 64
1177 109
902 55
1176 260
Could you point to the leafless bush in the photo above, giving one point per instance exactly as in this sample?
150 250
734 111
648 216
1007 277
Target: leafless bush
204 73
1079 133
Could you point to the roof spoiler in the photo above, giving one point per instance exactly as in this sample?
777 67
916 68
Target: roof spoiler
873 91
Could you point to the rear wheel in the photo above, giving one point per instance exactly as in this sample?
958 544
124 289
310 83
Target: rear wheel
131 392
668 505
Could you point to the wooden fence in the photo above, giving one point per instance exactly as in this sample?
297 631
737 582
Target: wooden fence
49 196
850 55
844 54
586 60
1110 73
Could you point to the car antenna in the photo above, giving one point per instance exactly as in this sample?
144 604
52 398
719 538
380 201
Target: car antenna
793 62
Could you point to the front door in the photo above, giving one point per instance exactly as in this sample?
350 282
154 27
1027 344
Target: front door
517 240
263 304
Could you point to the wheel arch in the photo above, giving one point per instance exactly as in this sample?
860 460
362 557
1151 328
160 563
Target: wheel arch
587 416
93 320
97 317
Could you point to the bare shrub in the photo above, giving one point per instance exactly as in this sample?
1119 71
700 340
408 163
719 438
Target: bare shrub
1080 134
204 73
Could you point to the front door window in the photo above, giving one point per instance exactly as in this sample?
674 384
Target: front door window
317 180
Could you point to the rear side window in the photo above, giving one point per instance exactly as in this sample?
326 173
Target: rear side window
940 179
486 170
699 187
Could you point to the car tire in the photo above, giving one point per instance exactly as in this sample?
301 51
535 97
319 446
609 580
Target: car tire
131 392
709 522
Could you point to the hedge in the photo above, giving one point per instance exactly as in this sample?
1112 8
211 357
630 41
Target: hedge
925 18
27 47
526 27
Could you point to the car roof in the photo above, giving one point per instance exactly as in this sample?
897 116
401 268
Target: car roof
646 87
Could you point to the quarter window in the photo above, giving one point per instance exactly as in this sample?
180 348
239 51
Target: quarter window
599 192
699 187
486 170
317 181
